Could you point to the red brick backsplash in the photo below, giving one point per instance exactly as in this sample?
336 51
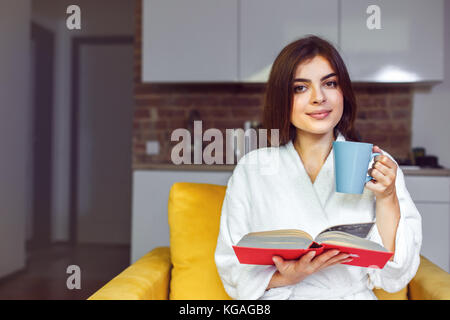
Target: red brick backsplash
383 118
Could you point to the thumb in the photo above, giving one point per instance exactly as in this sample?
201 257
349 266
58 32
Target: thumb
376 149
278 262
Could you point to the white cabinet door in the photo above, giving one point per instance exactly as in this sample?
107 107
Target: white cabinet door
189 41
435 231
431 196
266 26
408 47
428 189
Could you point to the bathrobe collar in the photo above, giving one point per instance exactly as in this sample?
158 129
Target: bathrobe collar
322 189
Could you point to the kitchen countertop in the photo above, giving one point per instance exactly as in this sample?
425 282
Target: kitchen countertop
185 167
230 167
427 172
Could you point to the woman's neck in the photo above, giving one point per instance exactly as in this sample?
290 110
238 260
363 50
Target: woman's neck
313 148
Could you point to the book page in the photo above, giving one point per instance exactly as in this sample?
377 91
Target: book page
282 232
357 229
345 239
277 239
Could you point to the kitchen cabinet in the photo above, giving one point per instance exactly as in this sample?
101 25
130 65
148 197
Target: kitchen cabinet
266 26
435 231
431 196
226 41
237 40
189 41
408 47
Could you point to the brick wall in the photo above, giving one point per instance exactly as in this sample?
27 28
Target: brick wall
384 114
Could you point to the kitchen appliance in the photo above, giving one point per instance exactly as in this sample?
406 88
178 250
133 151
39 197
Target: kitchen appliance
428 162
423 160
418 152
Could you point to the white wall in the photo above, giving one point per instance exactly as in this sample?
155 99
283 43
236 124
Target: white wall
15 131
431 108
99 17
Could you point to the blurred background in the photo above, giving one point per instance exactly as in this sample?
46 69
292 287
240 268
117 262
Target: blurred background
87 114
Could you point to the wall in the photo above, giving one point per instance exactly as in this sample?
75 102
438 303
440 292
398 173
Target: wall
431 111
384 116
15 132
99 17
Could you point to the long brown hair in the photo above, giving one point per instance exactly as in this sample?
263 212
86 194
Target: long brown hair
279 92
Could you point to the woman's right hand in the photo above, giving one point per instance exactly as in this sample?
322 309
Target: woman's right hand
293 271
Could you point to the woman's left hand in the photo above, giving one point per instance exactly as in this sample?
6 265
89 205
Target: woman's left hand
384 173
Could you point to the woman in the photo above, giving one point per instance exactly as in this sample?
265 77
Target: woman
309 98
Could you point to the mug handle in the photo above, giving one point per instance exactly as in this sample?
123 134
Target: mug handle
373 155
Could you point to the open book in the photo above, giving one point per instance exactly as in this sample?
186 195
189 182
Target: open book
290 244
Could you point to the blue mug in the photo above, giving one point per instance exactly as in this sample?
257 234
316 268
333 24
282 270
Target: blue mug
351 163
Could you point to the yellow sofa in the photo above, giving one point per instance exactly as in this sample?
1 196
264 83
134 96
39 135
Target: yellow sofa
187 269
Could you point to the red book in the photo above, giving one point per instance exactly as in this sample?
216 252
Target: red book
260 247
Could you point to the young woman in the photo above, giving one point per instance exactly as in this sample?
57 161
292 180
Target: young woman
310 100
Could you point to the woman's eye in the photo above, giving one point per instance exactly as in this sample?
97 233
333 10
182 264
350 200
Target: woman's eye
299 89
331 84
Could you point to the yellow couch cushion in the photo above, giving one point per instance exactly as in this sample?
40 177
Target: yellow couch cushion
146 279
384 295
194 218
430 282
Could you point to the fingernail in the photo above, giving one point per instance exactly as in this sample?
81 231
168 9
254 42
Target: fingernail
313 253
335 252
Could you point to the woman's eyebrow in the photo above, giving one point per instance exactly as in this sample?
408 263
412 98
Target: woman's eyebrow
307 80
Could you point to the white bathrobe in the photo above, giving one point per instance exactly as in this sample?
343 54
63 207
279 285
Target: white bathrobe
270 189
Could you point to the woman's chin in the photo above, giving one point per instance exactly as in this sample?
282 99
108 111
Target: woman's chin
318 131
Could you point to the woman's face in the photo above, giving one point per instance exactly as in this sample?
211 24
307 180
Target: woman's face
316 89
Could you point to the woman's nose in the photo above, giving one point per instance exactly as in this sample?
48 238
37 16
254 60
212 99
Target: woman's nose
318 96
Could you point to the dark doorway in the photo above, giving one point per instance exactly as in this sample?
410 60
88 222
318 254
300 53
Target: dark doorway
101 136
39 231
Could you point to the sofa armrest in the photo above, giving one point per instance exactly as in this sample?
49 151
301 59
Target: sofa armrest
146 279
429 283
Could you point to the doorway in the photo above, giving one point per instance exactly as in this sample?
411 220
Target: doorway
101 137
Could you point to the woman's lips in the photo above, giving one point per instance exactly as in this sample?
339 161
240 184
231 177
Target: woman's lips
320 116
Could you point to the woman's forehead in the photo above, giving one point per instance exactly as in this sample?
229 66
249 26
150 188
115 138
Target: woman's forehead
315 67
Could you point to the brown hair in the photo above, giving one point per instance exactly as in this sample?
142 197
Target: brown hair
279 91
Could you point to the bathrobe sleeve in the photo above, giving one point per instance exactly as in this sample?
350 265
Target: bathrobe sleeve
398 273
241 281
